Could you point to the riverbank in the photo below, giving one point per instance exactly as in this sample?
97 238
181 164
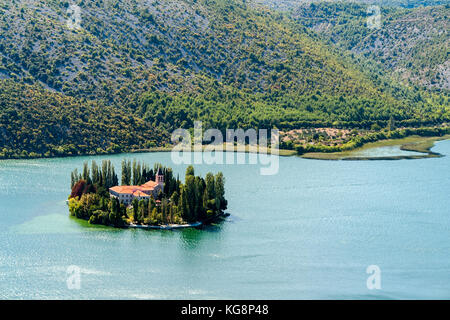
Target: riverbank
421 145
165 227
314 150
247 149
196 224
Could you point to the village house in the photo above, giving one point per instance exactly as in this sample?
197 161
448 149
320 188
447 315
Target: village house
126 194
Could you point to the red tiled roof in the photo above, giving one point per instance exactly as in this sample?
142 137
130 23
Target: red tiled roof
139 193
150 184
146 187
124 189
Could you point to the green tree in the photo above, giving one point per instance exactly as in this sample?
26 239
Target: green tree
135 204
220 191
142 211
391 124
135 174
190 171
126 173
210 186
86 176
183 205
95 173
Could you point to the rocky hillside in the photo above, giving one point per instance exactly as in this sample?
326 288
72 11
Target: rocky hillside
169 45
411 45
154 65
292 4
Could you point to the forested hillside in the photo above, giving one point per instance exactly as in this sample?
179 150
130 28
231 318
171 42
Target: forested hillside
37 123
405 3
142 68
168 45
411 45
290 4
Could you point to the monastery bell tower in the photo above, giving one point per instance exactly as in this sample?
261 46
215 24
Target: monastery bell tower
160 178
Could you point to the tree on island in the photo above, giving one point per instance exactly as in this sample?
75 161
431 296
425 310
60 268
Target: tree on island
195 200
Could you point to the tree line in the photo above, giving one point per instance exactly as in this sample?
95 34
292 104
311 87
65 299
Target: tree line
197 199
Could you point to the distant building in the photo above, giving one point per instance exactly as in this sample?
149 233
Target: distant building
126 194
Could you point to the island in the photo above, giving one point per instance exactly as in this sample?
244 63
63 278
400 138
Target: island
147 198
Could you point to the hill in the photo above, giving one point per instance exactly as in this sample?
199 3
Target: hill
411 44
37 123
159 65
168 45
292 4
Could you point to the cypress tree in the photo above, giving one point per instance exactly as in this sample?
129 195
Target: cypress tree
95 173
141 211
109 175
135 204
154 215
210 186
72 179
139 174
125 180
190 193
190 171
135 173
183 205
220 191
86 176
104 173
115 181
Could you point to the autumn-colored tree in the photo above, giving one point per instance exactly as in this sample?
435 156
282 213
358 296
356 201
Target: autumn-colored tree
78 189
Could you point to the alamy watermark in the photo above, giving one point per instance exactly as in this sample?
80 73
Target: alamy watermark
374 17
74 21
374 280
237 142
73 278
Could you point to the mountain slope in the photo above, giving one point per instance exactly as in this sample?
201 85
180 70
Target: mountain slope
293 4
36 123
166 44
411 44
169 63
414 45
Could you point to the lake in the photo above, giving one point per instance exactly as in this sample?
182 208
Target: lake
308 232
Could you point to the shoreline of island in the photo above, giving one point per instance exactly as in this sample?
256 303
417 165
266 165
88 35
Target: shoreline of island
146 197
197 224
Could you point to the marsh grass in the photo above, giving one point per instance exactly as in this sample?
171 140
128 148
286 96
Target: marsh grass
421 145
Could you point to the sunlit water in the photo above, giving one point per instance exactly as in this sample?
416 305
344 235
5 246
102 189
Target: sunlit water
387 151
309 231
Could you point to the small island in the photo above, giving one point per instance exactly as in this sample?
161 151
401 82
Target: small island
147 198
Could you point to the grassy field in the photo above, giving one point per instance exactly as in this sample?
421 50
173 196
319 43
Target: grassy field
421 145
412 143
248 149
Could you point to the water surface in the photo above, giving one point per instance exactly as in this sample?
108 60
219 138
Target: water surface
308 232
386 151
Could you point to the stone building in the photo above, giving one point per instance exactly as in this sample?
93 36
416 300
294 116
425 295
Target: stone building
126 194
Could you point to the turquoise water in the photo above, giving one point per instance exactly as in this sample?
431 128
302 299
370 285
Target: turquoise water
388 151
308 232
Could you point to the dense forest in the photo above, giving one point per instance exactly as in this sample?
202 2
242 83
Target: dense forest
292 4
198 199
38 123
135 70
410 46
